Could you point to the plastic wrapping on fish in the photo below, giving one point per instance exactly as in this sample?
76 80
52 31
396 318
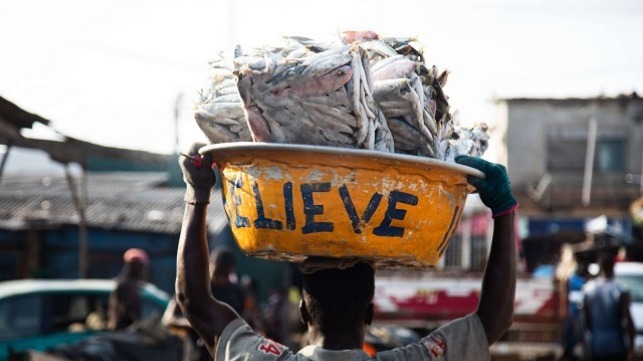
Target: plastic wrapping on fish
219 110
408 93
359 91
468 141
311 95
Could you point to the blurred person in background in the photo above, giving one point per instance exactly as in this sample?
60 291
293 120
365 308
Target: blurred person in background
609 333
252 311
125 301
621 255
571 278
222 270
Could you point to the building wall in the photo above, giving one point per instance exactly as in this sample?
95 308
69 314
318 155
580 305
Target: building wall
11 250
539 131
53 252
106 248
497 151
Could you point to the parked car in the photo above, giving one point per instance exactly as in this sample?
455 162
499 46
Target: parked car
630 275
40 314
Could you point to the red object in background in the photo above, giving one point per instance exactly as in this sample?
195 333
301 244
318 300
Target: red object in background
136 255
369 349
443 298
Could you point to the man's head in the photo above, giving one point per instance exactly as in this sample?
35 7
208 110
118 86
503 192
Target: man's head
136 260
337 300
222 261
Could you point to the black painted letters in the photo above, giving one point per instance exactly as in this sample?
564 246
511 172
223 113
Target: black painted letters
385 228
311 209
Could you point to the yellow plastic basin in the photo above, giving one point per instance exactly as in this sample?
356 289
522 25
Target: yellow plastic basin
289 202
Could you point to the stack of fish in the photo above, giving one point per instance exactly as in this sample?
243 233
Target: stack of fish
361 92
219 111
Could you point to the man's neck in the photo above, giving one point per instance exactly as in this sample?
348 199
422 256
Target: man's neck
337 341
607 276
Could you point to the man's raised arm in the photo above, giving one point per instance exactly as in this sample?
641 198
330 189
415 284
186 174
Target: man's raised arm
207 316
495 308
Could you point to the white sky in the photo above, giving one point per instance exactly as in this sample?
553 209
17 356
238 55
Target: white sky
110 72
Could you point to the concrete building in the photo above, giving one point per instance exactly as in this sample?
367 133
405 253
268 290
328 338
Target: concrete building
571 160
547 141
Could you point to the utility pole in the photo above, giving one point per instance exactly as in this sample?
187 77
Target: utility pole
5 156
177 114
589 156
79 204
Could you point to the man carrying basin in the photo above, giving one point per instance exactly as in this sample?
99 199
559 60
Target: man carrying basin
337 300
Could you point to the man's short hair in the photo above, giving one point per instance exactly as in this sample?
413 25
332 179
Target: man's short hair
606 262
337 299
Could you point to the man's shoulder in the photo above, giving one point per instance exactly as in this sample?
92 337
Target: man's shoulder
590 286
239 337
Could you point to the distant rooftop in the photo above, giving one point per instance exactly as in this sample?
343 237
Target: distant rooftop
126 201
15 123
33 162
621 97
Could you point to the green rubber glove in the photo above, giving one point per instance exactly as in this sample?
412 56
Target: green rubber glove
495 188
198 175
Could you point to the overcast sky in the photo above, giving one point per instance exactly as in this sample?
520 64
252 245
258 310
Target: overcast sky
110 72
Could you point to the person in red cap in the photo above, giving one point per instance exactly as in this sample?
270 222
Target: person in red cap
125 300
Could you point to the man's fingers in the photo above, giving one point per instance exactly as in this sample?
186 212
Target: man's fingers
186 160
475 162
473 180
468 161
207 159
194 148
196 159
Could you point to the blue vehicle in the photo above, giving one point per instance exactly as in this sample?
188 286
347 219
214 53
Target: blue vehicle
40 314
630 275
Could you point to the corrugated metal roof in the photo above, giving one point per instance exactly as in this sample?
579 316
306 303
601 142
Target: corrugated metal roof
17 116
71 150
135 202
621 97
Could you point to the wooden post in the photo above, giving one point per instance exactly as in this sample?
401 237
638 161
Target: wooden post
4 158
34 246
589 158
82 225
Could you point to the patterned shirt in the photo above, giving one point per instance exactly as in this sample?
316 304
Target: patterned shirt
462 339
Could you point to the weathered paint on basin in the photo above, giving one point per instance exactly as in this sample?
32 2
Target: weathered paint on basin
290 202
